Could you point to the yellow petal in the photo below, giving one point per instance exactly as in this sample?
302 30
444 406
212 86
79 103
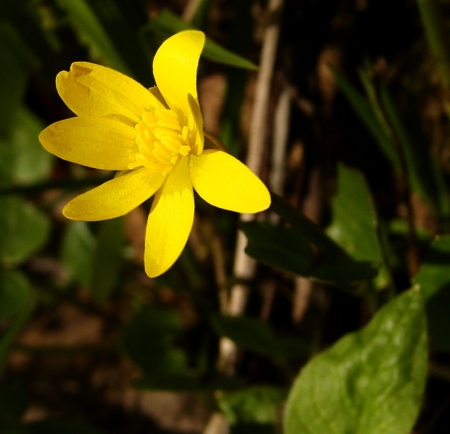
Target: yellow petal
170 221
116 197
90 89
175 68
225 182
98 142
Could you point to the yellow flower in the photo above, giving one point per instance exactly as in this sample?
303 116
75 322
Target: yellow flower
154 139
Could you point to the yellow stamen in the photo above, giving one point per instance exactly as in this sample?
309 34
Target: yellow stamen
161 140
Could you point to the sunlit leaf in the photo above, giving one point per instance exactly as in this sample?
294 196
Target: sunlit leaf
434 280
370 381
23 229
254 405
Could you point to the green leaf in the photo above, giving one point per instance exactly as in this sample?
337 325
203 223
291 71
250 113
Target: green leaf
22 158
107 259
370 381
354 224
149 340
23 229
258 336
289 250
78 251
165 24
15 293
90 31
254 405
434 280
283 248
313 233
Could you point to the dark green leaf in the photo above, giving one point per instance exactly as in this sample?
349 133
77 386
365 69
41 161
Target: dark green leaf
344 272
369 382
17 61
285 249
257 336
90 30
107 259
9 335
22 158
16 294
288 250
166 24
78 251
354 225
149 341
368 116
23 229
121 22
423 172
311 232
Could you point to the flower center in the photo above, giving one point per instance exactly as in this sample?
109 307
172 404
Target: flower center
161 140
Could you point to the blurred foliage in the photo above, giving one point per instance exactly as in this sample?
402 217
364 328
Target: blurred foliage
86 338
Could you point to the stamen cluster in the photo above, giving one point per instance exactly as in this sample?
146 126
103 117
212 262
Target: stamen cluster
161 139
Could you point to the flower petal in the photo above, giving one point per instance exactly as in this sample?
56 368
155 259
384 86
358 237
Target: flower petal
116 197
98 142
170 221
175 68
90 89
225 182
